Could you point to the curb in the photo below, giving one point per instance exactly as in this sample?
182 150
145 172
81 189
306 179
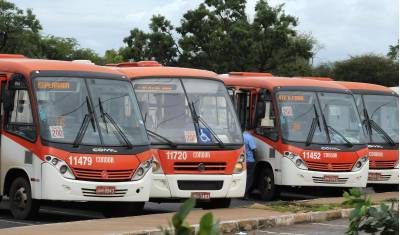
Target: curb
247 225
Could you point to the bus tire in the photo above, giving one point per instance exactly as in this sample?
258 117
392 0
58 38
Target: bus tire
120 209
22 205
215 203
266 185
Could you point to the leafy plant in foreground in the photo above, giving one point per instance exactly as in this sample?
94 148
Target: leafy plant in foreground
383 219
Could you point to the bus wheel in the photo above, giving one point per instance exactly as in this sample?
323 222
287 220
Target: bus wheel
120 209
215 203
22 205
266 185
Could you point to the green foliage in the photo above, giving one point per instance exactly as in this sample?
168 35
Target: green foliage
112 57
181 227
218 36
156 45
368 68
364 217
19 30
393 53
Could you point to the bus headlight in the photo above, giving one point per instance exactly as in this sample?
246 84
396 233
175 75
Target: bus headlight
240 164
142 170
61 166
156 167
296 159
396 166
360 163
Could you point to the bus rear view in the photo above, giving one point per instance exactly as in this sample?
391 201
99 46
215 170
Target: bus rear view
193 126
308 132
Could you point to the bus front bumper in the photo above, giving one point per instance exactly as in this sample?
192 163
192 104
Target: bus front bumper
293 176
383 176
56 187
183 185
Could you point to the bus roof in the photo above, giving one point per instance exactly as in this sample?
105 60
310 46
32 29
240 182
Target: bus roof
26 66
161 71
360 87
271 82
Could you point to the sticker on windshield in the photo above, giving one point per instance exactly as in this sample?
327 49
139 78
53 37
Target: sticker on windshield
190 137
205 136
287 111
56 132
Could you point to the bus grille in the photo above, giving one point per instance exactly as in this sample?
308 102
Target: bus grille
103 175
382 164
320 166
322 180
205 167
87 192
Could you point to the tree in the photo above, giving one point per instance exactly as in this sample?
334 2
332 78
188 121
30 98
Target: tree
394 52
112 57
19 30
323 70
368 68
87 54
58 48
158 44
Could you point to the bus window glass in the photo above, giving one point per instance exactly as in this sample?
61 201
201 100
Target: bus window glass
384 111
342 118
296 111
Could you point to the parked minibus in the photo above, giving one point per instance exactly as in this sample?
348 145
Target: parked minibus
307 132
379 110
194 129
70 132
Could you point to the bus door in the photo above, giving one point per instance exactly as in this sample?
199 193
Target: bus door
245 105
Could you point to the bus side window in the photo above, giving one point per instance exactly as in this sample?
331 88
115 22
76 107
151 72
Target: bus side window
17 109
265 116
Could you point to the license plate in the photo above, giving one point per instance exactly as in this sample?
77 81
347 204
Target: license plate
105 190
375 176
331 178
201 195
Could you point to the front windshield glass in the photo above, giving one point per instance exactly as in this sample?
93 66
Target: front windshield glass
342 118
297 110
384 111
166 111
63 104
333 113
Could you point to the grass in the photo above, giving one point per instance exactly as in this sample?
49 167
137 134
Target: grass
287 206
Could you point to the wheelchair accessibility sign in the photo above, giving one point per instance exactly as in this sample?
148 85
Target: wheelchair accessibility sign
205 136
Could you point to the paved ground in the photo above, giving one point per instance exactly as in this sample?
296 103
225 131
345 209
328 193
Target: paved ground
70 213
333 227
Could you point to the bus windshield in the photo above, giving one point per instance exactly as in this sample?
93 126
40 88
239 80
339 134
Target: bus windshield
383 111
335 116
187 111
109 106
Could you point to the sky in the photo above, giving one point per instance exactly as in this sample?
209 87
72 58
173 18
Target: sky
342 28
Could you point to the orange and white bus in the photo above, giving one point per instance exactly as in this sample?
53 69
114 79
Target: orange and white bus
379 109
308 132
193 127
70 132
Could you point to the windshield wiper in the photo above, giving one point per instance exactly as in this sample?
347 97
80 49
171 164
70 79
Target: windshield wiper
104 116
161 137
341 135
85 124
373 125
379 129
314 124
199 118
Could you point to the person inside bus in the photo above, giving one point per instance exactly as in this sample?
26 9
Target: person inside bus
250 148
